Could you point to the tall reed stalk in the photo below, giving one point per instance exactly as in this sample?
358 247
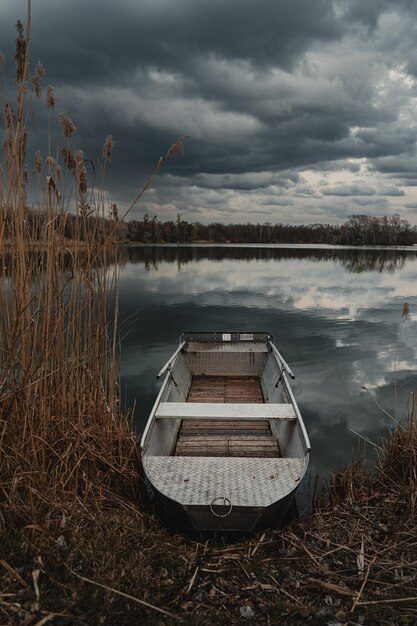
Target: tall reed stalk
64 439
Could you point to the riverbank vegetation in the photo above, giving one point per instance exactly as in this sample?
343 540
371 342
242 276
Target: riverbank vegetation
358 230
79 544
64 440
101 560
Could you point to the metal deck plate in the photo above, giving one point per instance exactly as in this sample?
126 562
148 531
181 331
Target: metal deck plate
244 481
201 346
222 361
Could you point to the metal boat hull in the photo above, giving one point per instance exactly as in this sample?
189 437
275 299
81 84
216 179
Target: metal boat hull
219 453
199 518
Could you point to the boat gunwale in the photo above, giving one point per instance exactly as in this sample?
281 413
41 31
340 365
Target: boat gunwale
151 418
235 336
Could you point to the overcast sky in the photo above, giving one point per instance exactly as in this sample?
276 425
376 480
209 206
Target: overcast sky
297 111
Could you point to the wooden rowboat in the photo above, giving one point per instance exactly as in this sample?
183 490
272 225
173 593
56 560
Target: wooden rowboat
225 446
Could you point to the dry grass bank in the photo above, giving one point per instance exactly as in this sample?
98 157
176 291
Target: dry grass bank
353 562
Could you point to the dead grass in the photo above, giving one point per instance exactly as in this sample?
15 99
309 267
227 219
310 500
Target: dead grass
353 562
66 447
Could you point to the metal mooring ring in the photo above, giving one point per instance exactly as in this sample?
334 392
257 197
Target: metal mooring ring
225 501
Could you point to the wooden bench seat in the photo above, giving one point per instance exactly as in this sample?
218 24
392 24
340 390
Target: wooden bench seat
223 411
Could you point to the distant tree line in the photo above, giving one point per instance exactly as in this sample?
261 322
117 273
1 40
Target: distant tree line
357 230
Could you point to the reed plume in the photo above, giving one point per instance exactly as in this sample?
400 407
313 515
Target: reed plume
52 164
50 97
20 53
406 310
69 159
8 143
108 148
177 147
9 116
82 179
68 127
36 79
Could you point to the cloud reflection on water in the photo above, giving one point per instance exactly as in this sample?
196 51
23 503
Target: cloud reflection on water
336 316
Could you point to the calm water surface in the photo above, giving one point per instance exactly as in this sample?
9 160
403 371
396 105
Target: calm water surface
335 315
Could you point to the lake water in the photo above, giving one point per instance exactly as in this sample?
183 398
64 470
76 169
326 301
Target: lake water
336 315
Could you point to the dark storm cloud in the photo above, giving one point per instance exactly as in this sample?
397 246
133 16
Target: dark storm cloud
96 40
349 190
401 165
269 92
247 181
167 34
361 190
369 11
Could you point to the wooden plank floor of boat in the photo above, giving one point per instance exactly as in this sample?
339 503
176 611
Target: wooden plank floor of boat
226 438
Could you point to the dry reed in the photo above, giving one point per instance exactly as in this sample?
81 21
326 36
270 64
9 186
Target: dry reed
68 126
36 79
64 441
67 452
50 97
108 147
